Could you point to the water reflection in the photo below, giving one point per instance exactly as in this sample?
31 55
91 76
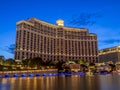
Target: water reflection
110 82
101 82
4 84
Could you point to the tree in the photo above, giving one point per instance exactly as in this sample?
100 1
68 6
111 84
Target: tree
81 61
25 62
51 63
1 61
59 65
84 65
91 64
9 62
112 67
36 62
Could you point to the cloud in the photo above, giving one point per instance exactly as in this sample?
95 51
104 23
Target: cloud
109 45
110 41
10 48
84 19
107 37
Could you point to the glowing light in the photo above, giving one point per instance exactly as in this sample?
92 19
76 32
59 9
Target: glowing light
50 74
54 74
23 75
31 75
44 74
60 22
15 75
37 74
7 75
62 73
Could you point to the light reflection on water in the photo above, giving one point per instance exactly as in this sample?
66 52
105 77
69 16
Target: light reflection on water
101 82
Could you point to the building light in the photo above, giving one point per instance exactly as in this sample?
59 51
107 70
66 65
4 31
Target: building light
47 39
60 22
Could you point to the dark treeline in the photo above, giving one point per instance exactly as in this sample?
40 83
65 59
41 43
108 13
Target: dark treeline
38 64
33 63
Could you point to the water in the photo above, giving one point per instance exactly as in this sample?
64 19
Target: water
100 82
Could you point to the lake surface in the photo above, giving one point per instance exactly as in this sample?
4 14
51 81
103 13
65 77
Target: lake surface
98 82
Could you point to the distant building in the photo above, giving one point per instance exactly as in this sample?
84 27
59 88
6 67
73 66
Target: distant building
110 54
2 57
36 38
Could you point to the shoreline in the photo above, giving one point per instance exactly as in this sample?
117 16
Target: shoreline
25 73
47 72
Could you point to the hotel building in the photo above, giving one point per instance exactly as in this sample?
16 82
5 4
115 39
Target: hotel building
36 38
110 54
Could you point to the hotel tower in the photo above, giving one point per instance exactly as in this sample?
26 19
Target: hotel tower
36 38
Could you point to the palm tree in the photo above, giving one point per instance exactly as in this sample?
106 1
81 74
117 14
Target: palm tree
36 62
25 62
59 65
9 62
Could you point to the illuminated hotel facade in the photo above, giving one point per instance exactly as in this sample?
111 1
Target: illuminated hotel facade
36 38
110 54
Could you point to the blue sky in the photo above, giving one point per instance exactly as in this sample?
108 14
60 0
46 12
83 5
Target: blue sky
104 13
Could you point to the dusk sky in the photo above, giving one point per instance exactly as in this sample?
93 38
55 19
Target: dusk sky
101 17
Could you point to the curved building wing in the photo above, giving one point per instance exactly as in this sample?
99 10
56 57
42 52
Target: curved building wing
36 38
